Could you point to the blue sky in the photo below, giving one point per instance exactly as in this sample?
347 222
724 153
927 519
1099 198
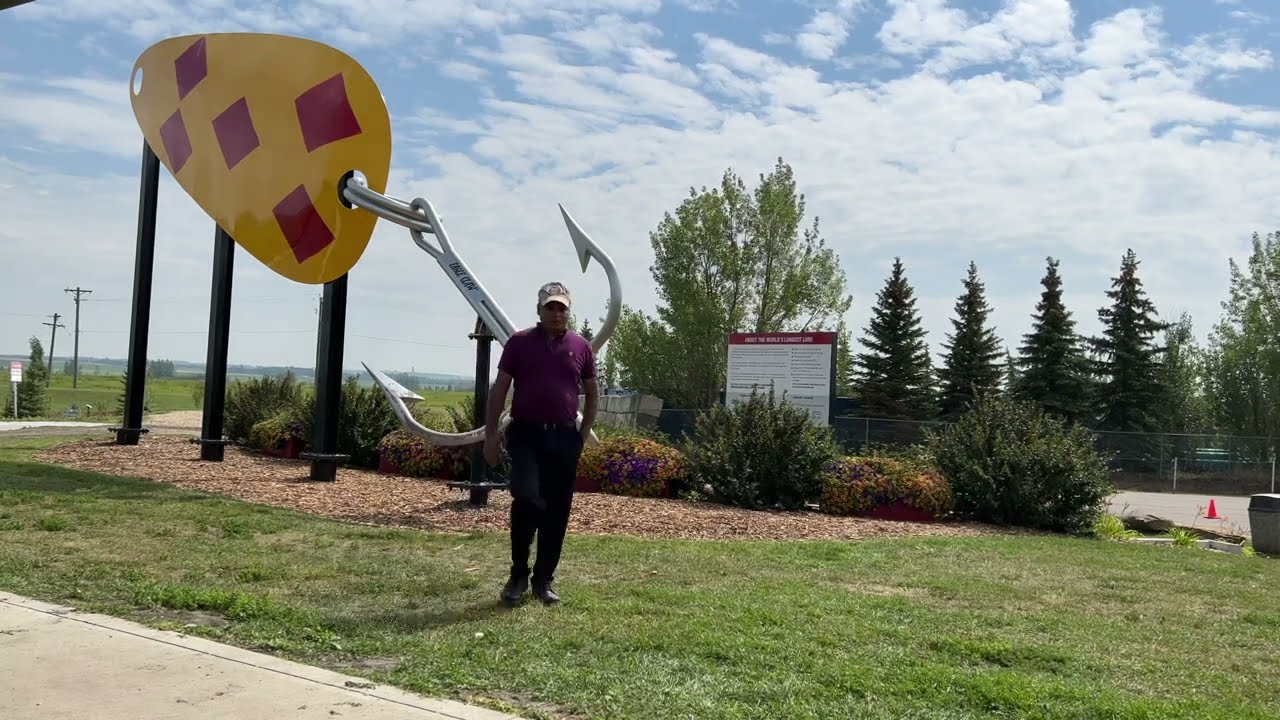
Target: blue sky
998 131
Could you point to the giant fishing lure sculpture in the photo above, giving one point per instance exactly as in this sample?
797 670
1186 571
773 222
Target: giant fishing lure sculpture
286 143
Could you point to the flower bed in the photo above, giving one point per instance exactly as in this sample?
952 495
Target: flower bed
401 453
885 488
279 437
632 466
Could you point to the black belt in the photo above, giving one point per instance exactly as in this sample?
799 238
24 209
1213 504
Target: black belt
563 425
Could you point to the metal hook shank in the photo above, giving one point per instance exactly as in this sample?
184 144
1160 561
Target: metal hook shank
420 217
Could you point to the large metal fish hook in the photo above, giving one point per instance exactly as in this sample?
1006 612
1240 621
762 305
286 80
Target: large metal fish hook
420 217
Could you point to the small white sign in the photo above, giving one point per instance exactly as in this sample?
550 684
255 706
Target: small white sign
15 371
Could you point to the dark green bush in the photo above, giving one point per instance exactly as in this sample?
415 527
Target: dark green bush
761 453
249 402
1009 463
364 419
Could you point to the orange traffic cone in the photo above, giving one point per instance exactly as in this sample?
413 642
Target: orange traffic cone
1213 512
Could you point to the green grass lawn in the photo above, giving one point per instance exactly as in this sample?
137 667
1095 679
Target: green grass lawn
1027 627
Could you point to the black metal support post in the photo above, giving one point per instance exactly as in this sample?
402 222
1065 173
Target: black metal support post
212 444
479 468
140 324
324 455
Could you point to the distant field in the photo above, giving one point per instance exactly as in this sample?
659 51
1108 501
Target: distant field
98 396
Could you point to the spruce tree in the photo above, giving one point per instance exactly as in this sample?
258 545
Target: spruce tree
971 362
844 360
1127 355
1010 378
1053 369
894 378
33 395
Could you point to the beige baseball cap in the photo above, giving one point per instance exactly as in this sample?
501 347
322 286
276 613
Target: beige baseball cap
553 291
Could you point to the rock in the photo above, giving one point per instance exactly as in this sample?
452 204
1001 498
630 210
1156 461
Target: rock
1147 523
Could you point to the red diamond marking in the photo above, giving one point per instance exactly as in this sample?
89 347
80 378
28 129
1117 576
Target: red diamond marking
191 67
325 114
177 144
236 134
302 225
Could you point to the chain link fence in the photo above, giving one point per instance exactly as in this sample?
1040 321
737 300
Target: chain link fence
1156 462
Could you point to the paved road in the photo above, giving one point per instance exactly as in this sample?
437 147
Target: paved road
1187 510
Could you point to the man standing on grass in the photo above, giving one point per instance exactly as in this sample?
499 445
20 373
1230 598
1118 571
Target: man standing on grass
548 363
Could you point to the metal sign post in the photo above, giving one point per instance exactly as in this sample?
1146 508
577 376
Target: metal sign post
15 377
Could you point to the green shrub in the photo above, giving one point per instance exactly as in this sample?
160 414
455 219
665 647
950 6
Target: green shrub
759 453
856 485
633 466
364 419
1111 527
249 402
1009 463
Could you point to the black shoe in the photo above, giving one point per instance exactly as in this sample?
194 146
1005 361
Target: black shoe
542 590
515 589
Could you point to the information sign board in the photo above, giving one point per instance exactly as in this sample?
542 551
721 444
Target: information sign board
800 364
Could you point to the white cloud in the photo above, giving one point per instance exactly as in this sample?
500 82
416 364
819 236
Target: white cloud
84 113
1130 36
463 71
822 36
918 25
1089 140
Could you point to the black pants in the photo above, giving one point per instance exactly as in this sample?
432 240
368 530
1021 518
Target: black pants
544 466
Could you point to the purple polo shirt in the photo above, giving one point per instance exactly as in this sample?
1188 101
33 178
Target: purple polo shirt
547 374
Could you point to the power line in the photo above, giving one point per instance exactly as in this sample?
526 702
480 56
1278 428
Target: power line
53 339
410 341
75 367
189 298
200 332
280 332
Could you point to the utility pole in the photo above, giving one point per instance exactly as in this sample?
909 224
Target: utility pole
52 339
75 362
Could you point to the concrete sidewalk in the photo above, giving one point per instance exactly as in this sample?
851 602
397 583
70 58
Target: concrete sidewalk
60 664
16 425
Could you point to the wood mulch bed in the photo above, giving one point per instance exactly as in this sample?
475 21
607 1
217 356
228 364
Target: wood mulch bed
371 497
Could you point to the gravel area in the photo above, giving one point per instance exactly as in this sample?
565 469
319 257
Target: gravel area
371 497
175 420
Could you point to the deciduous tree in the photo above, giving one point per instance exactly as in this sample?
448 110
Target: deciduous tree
1242 362
1183 407
727 260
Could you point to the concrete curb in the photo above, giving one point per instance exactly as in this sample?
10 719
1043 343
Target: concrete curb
59 662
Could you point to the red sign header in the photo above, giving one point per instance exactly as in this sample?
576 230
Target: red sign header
783 338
